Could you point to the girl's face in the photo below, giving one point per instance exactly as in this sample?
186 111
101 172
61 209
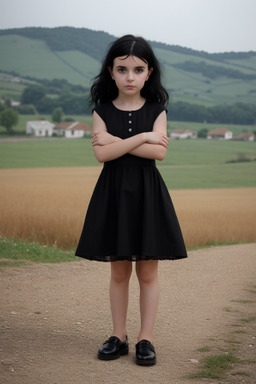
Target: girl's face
130 74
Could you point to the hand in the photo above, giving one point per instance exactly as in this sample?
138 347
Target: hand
157 138
103 138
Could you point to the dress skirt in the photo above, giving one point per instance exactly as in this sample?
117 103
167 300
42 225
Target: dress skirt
131 215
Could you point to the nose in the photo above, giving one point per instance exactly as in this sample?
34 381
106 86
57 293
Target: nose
129 76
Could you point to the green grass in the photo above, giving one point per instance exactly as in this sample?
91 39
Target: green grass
10 90
215 366
34 58
204 349
249 319
188 164
194 87
211 176
16 252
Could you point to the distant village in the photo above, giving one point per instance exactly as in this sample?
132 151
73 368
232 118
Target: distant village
69 130
218 133
74 130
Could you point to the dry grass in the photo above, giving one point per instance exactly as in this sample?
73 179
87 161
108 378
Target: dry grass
48 205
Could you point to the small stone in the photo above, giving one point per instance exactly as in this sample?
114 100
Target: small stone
193 361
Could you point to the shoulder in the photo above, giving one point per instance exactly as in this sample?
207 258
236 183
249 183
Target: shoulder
103 109
154 109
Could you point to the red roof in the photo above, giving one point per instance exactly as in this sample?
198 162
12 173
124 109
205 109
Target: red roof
219 131
74 126
182 131
244 136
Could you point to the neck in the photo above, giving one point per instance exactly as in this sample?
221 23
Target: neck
129 103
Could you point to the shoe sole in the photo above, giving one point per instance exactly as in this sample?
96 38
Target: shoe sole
146 363
110 357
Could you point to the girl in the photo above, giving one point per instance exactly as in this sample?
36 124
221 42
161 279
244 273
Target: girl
130 216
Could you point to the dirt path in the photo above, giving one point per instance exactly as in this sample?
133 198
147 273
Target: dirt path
54 318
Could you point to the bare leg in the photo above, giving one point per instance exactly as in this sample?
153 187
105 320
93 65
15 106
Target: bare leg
119 295
147 273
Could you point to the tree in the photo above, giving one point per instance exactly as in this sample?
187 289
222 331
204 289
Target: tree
9 118
1 106
202 133
57 115
33 94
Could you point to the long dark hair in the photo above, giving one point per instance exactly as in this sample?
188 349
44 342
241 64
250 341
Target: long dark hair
104 88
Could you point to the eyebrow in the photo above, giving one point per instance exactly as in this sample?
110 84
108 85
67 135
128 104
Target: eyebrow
138 67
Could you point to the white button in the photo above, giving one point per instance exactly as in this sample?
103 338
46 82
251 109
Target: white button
130 121
130 114
130 130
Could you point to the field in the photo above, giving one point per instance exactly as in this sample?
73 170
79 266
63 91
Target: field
48 205
188 164
46 186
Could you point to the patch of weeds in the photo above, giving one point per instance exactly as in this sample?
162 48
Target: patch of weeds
11 263
20 250
204 349
251 290
249 319
243 301
249 361
240 332
241 373
215 366
233 341
227 309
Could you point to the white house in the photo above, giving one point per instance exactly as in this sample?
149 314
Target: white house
246 136
39 128
220 134
183 134
72 129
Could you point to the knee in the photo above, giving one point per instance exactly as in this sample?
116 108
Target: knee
147 274
121 273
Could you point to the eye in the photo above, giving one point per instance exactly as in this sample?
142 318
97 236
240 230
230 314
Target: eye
139 70
121 69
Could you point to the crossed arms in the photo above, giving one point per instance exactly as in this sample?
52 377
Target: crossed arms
149 145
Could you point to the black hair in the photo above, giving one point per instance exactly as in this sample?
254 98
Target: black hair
104 88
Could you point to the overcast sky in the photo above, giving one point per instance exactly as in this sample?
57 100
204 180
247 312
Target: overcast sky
209 25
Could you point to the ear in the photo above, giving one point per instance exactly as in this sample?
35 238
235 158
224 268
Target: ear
111 72
149 73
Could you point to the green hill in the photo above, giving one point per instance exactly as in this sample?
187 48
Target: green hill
75 54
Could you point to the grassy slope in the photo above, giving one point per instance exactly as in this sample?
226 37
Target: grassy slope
30 57
194 87
188 164
33 58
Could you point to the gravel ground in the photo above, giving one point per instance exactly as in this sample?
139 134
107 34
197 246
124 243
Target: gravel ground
54 317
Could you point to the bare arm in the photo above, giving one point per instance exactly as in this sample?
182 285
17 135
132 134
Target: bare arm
116 148
155 151
151 145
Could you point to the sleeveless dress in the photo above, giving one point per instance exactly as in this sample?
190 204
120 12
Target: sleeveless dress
130 215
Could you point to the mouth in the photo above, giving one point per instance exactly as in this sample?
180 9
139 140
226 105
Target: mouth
129 87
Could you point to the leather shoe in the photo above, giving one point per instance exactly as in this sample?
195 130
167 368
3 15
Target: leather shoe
145 353
113 348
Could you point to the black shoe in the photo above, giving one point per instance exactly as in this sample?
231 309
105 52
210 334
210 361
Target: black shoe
113 348
145 353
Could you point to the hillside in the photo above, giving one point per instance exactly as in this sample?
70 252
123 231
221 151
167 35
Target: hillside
75 54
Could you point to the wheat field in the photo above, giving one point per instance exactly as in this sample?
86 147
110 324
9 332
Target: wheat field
48 205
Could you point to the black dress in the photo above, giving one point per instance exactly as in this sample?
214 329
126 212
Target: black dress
130 215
